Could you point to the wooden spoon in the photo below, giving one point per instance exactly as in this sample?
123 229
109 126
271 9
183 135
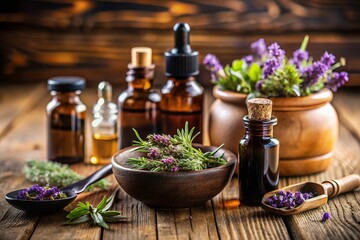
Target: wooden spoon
323 191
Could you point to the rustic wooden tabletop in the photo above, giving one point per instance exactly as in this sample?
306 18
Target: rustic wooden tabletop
23 137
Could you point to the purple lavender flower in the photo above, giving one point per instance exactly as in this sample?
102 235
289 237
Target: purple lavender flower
326 216
161 140
153 153
328 59
212 63
337 80
259 47
299 56
270 66
313 73
249 59
175 169
276 51
169 160
274 62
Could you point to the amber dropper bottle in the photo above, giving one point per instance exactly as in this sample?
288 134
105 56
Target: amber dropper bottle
139 103
182 96
258 153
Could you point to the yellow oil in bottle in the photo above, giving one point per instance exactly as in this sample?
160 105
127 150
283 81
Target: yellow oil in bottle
103 148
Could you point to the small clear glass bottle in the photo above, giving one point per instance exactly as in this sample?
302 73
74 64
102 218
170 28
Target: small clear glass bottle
104 126
66 120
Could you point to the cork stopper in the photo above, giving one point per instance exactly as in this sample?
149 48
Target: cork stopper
259 109
141 56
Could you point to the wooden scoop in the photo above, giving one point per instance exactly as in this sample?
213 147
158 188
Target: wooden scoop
323 191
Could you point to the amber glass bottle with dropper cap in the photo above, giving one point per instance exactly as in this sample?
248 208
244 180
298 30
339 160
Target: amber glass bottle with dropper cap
139 103
182 96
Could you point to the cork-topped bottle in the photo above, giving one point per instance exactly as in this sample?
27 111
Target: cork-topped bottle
139 103
182 96
258 153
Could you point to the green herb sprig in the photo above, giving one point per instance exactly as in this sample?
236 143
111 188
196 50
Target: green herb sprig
172 154
56 174
100 215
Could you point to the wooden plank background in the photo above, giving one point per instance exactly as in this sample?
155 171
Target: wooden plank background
43 38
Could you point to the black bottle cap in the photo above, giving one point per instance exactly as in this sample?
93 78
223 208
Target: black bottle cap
66 84
181 61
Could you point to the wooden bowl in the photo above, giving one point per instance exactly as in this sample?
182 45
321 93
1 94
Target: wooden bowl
172 189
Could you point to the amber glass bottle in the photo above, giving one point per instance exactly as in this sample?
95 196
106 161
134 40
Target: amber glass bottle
182 96
66 120
258 160
139 103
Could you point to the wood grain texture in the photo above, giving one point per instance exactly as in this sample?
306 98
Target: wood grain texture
347 105
224 217
41 39
237 221
35 55
238 16
344 209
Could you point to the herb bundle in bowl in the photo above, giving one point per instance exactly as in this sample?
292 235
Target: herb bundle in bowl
165 153
170 172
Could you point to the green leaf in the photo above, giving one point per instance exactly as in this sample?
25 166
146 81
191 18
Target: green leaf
81 219
254 72
137 135
99 220
101 204
77 212
110 213
110 200
237 65
304 43
237 74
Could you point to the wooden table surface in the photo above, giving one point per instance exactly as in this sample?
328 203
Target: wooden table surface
23 137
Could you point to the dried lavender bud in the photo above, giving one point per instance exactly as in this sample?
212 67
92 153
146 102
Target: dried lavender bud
153 153
287 199
326 216
169 160
159 140
39 193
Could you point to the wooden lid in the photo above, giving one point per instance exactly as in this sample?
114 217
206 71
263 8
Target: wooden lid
141 56
259 109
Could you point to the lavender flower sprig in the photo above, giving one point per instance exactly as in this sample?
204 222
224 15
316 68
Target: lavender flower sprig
173 154
39 193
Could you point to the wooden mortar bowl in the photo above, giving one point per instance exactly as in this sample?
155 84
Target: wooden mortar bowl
172 189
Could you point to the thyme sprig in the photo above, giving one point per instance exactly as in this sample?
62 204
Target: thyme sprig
172 154
100 215
56 174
